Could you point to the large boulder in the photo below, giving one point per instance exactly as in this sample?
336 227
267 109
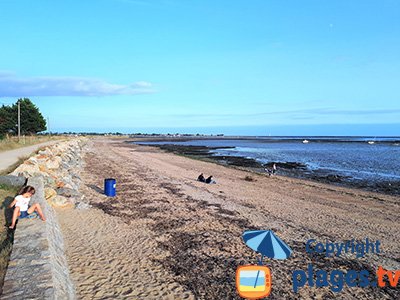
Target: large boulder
47 151
68 192
53 163
11 180
49 193
60 201
31 161
26 169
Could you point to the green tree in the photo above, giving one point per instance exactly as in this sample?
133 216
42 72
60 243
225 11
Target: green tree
7 122
32 120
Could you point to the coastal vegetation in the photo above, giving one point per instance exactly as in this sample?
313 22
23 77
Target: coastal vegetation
32 121
6 196
11 142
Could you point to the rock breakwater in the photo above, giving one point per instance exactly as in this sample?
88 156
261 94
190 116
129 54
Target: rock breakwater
59 167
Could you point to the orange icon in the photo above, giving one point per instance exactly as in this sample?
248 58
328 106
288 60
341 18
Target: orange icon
253 282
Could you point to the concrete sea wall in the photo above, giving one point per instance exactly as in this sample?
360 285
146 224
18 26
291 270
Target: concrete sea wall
38 267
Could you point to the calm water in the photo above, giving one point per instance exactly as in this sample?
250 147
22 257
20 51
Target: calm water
352 157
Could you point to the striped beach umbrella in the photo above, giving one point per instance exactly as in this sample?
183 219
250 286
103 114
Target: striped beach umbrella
267 243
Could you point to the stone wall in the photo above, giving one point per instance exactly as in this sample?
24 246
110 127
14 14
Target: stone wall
38 267
59 166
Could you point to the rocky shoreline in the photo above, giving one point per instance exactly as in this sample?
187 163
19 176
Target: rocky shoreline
59 167
289 169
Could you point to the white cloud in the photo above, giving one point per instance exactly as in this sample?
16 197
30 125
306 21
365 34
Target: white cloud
13 86
143 84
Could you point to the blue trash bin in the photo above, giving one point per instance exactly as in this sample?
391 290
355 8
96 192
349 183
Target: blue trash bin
110 187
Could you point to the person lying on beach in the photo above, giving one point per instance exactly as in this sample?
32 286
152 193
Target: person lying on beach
209 180
201 178
22 208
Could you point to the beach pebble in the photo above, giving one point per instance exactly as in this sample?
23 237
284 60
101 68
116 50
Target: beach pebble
82 205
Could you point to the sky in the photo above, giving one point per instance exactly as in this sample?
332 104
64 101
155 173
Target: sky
260 67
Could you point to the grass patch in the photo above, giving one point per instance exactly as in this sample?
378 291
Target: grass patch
11 143
6 236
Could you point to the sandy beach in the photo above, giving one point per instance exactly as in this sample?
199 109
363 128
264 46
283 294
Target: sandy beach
168 236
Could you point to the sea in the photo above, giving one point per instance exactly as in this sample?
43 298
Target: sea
362 159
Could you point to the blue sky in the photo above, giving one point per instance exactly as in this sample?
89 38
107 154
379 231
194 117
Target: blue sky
235 67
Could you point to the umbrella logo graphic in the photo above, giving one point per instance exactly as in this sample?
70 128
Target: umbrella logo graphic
254 281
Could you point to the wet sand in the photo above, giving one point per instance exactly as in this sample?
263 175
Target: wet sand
167 236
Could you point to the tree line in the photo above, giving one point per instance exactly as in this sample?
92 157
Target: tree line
32 121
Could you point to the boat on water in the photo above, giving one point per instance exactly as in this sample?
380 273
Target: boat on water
371 142
305 141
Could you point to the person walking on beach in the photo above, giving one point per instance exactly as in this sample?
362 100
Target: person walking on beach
273 169
22 208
